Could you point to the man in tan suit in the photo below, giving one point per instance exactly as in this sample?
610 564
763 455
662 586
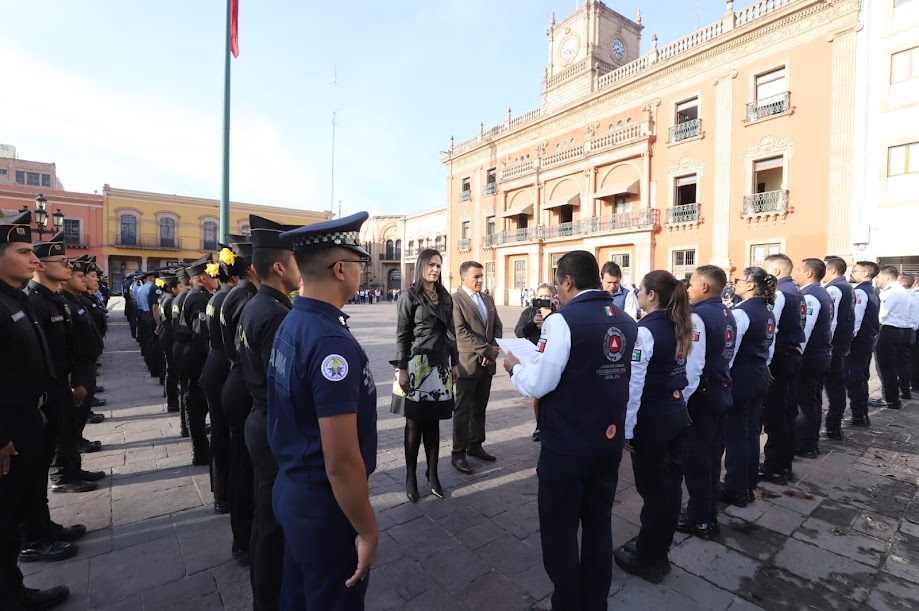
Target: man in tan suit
477 325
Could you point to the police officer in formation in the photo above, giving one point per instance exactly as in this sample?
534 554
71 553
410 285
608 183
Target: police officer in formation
181 337
169 288
842 327
146 325
26 373
322 424
583 387
895 337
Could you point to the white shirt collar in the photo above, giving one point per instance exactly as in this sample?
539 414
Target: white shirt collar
468 292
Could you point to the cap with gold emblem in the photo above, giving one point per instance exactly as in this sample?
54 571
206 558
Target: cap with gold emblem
52 248
16 228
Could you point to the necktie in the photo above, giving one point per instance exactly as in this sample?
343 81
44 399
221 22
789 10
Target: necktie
481 305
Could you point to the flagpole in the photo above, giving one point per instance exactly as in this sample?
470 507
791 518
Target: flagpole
225 176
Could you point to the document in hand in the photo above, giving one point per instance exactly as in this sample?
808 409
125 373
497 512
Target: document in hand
522 348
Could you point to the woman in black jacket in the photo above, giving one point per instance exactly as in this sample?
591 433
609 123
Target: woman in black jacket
426 366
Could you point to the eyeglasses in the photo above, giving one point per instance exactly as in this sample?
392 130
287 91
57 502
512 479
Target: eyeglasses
362 262
64 262
736 280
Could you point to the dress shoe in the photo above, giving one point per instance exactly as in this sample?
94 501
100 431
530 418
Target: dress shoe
877 402
68 533
905 396
411 488
703 530
461 464
860 421
834 434
46 551
240 554
100 390
434 482
481 454
88 447
79 486
97 402
95 418
630 564
221 507
737 499
42 600
895 405
172 408
806 452
631 548
91 476
536 436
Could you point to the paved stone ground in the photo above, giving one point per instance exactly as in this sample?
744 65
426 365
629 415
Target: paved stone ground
845 535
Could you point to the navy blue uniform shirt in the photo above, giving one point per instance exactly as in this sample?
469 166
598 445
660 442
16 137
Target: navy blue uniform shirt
317 370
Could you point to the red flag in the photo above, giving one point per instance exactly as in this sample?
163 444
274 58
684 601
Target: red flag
234 27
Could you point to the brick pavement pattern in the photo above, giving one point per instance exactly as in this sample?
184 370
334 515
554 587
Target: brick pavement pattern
843 535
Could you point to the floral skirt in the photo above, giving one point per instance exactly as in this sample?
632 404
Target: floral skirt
430 395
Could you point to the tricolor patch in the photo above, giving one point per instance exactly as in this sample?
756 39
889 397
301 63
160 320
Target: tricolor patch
609 310
696 336
636 356
541 345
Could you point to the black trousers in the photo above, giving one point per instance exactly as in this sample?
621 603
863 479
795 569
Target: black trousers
195 404
893 360
835 387
703 449
469 412
742 428
216 368
144 331
241 491
914 363
657 463
810 403
858 372
781 410
577 491
266 548
24 427
178 358
171 383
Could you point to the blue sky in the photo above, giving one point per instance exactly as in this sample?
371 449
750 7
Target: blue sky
129 92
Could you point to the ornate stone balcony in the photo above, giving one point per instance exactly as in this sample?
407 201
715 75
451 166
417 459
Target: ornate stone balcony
767 107
685 130
643 220
490 188
685 215
463 245
768 205
465 196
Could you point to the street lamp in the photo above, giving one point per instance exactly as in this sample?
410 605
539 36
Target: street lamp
58 220
41 215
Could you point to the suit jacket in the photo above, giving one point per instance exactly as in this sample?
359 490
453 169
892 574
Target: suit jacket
475 338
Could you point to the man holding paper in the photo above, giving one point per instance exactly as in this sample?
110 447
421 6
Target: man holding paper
580 374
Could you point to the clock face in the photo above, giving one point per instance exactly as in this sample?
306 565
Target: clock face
568 49
617 48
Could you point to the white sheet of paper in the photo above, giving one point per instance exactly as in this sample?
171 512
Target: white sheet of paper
522 348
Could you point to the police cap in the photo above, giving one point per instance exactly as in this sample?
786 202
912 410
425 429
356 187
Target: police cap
197 268
343 233
16 228
51 248
267 233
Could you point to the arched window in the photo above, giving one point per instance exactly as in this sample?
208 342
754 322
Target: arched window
398 249
209 236
128 236
167 233
389 250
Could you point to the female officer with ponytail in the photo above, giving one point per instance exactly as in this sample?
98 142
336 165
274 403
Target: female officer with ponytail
750 375
656 421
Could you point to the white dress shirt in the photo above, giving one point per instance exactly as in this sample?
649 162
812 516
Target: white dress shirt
542 375
641 356
743 323
914 293
777 308
895 302
479 304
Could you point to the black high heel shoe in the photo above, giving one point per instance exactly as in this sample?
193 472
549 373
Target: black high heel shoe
436 489
411 488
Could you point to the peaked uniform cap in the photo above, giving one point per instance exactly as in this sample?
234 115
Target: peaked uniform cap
16 228
182 275
197 268
242 245
267 234
343 233
52 248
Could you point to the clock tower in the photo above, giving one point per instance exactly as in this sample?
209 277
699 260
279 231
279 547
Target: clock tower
594 37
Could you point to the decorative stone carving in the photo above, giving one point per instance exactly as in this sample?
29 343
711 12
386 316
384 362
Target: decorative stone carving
591 130
686 165
770 144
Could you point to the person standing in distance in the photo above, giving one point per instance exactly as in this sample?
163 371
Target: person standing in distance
842 326
657 420
914 351
426 368
530 326
322 426
817 350
893 339
477 325
749 381
611 275
581 377
708 398
865 335
781 409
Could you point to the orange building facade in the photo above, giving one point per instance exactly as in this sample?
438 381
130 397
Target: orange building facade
728 145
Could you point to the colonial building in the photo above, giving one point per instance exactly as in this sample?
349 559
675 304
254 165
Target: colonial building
15 171
426 230
721 147
885 183
144 230
80 216
381 236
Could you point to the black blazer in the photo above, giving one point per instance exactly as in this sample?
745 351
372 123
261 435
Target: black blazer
423 328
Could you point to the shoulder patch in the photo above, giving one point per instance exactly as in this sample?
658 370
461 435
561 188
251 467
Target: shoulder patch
334 368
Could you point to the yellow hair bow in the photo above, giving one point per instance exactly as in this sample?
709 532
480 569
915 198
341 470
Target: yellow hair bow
160 283
227 256
212 269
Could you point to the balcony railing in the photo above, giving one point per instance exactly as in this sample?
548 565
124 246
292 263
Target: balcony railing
465 196
150 242
774 105
489 240
209 245
765 203
80 241
490 188
685 130
462 245
687 213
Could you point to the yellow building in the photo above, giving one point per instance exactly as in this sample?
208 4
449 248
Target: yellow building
144 230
